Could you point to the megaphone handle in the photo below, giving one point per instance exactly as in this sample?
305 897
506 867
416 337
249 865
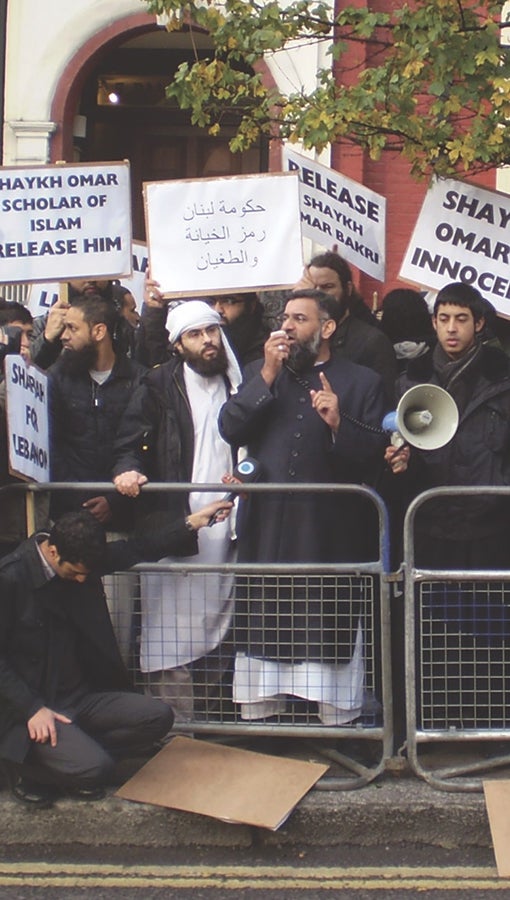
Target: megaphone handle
401 447
397 440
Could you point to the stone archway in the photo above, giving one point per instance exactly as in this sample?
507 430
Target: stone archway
67 95
159 141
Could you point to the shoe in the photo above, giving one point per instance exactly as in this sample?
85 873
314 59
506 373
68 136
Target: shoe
90 794
31 794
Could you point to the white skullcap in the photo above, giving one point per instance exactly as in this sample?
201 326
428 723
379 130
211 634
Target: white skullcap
197 314
190 314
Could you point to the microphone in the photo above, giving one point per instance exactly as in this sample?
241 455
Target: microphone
246 471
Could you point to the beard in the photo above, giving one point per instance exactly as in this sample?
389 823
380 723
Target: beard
217 365
79 362
303 354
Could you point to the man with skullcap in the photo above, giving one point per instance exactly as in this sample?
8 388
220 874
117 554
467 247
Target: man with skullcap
169 433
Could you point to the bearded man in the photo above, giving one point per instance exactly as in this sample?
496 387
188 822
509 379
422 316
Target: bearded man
170 433
307 415
90 386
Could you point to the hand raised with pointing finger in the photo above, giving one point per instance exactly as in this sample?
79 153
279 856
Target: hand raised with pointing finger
325 402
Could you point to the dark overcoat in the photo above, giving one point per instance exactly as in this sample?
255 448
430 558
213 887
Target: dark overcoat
294 445
28 676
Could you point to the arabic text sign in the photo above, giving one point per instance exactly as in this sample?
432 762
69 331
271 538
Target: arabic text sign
338 210
462 234
65 221
224 234
27 419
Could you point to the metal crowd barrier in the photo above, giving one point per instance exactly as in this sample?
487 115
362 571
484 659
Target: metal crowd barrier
457 637
337 705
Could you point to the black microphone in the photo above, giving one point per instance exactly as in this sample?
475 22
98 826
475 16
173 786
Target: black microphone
246 471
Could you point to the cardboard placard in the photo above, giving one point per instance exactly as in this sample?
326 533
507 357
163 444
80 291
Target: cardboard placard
233 785
497 799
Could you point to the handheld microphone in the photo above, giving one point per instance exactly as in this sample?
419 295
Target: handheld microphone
246 471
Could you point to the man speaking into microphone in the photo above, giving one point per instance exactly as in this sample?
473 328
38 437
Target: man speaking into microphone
307 416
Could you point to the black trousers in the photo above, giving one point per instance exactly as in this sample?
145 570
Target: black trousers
105 726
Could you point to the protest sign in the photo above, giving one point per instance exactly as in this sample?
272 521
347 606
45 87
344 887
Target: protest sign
42 296
135 281
336 210
462 234
27 419
65 221
211 235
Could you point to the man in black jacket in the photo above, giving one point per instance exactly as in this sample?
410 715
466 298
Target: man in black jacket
169 432
89 388
462 532
242 317
67 708
462 627
358 336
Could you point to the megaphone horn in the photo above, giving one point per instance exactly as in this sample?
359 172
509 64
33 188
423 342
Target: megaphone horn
426 417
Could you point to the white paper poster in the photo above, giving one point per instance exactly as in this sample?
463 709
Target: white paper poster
27 419
462 234
65 221
214 235
337 211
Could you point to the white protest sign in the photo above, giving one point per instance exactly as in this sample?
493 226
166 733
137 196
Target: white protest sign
65 221
41 297
462 234
338 210
135 281
27 419
210 235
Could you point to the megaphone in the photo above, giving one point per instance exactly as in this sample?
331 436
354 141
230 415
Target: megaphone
426 417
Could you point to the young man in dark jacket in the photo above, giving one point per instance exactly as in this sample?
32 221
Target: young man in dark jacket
67 707
462 532
462 627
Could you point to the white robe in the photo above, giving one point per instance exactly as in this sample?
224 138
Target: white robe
186 616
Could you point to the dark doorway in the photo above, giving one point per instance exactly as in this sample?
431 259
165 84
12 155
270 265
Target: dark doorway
128 117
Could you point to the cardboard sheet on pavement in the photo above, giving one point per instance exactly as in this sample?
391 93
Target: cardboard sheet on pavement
497 799
226 783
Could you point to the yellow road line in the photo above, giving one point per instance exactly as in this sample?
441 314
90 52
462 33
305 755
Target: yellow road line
405 878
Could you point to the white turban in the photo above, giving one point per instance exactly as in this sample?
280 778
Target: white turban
197 314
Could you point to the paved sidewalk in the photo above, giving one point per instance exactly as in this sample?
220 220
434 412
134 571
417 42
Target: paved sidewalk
399 809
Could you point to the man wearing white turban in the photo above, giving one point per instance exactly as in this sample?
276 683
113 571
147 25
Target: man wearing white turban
170 433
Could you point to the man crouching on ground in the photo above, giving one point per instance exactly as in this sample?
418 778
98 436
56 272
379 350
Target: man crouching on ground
67 708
